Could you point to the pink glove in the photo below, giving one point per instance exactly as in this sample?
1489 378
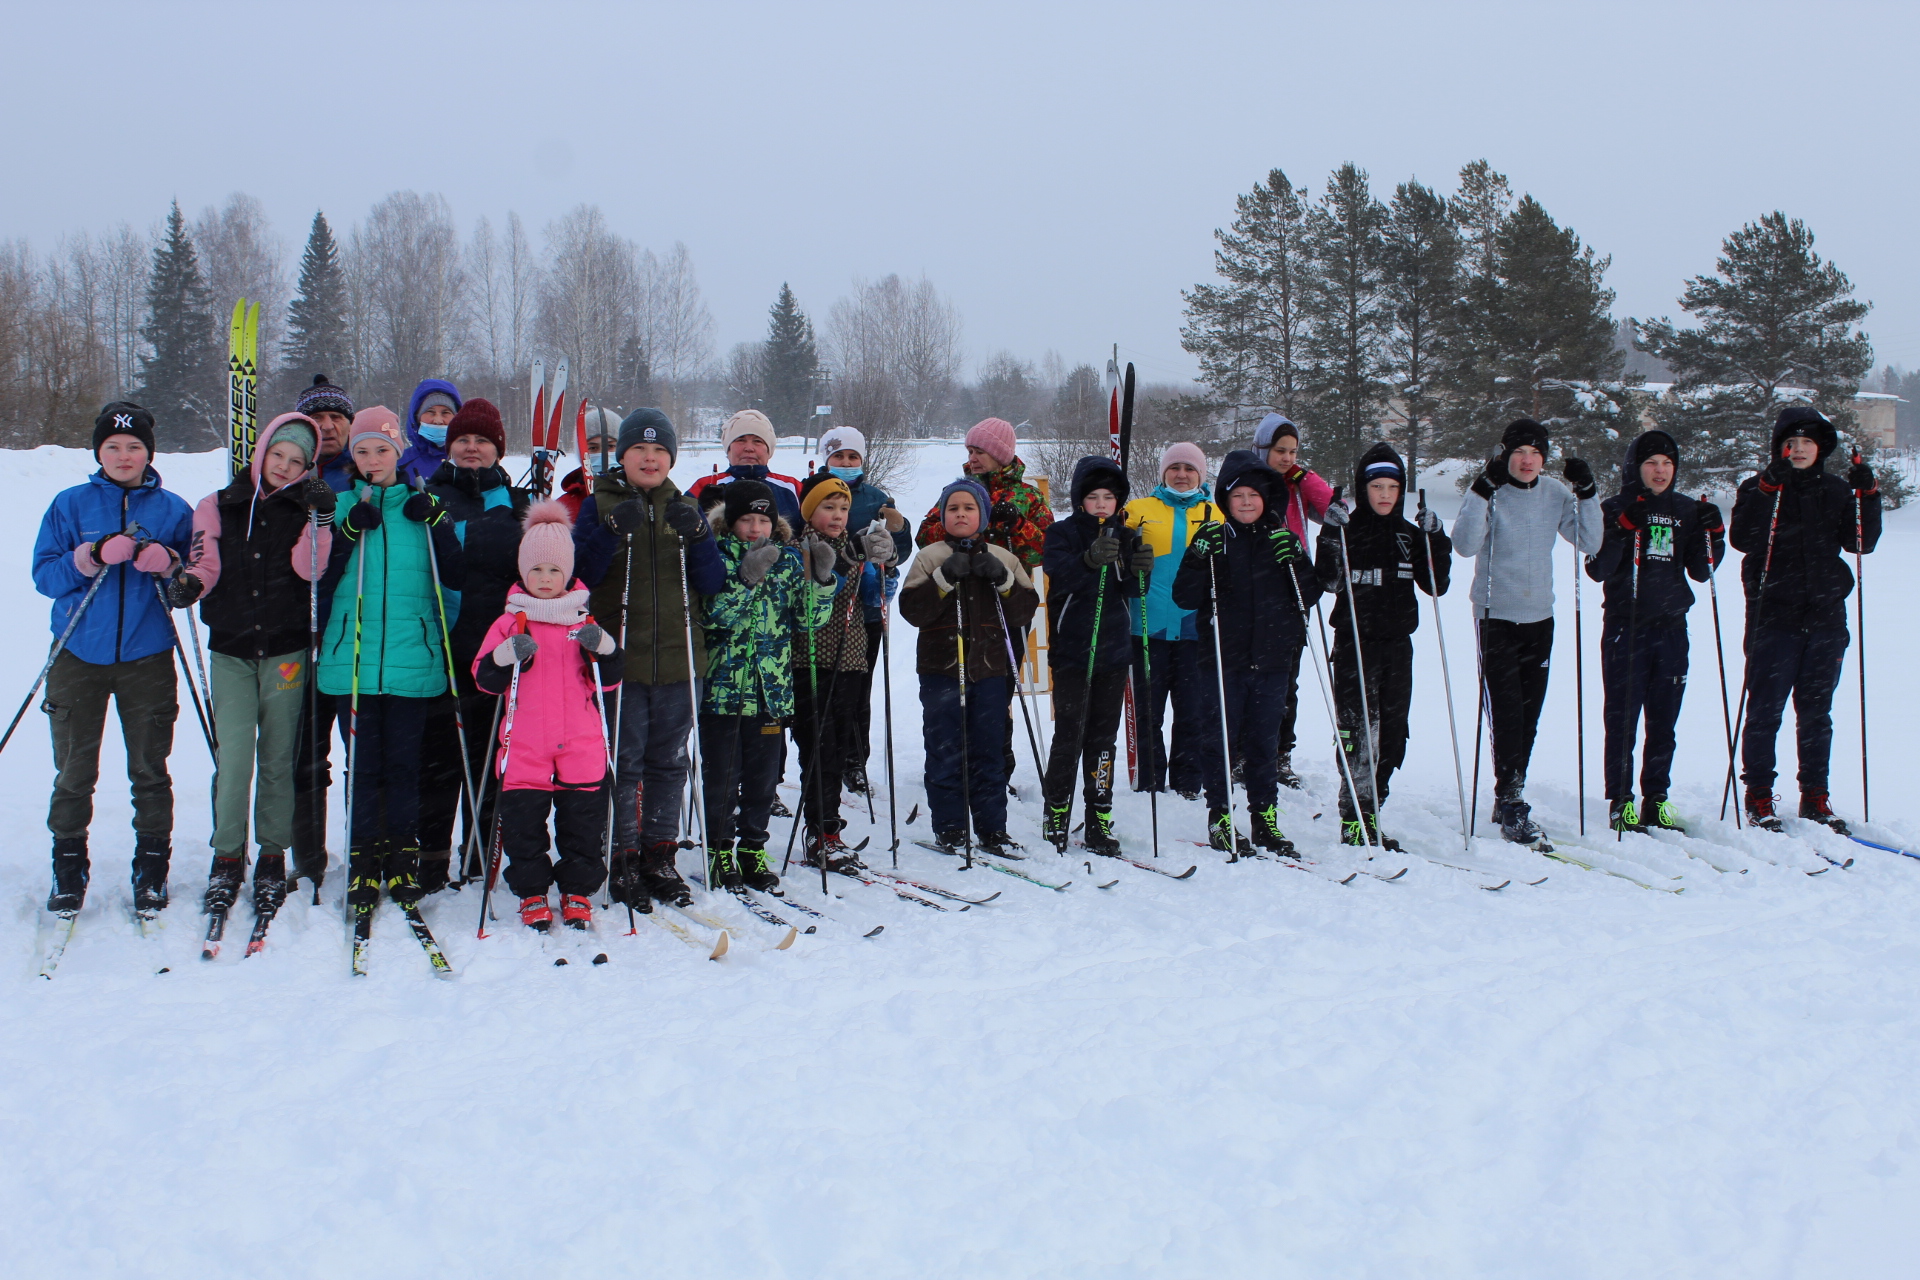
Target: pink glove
116 548
155 559
83 559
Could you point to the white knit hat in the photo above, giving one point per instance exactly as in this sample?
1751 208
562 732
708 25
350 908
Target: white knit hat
838 438
749 422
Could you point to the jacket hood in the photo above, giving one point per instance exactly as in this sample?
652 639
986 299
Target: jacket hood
1379 453
264 441
1244 466
1095 472
1639 449
426 388
1805 420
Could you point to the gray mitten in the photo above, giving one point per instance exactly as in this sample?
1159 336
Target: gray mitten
877 545
594 639
515 650
759 558
820 557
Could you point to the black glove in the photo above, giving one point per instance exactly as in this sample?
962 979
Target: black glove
1105 550
682 518
1774 478
1210 539
183 589
958 565
1709 516
361 517
424 508
1860 477
1427 520
1633 515
1580 476
630 517
1286 547
987 567
1002 513
1143 558
316 495
1336 513
1492 476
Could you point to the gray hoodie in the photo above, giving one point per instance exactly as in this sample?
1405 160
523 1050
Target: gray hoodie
1514 546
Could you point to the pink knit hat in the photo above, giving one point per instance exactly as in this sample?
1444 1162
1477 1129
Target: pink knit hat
547 538
1183 452
993 436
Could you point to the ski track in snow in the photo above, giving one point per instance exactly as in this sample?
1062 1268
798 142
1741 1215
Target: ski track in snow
1253 1072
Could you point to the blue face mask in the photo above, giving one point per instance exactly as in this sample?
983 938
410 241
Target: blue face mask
848 474
436 436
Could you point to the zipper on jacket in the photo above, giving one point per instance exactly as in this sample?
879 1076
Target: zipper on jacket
120 625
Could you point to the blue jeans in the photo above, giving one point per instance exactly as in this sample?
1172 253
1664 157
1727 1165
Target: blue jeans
988 705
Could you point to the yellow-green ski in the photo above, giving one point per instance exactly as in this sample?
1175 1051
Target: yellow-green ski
239 443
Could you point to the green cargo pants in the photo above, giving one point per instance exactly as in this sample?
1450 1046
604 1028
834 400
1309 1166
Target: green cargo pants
256 718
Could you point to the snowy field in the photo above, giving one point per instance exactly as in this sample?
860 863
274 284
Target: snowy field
1254 1072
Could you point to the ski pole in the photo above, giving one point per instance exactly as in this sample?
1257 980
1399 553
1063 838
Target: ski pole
1860 626
314 731
1086 705
1630 708
353 704
1580 698
499 808
966 749
1366 711
200 713
1446 680
100 576
1483 714
886 697
606 747
469 788
1140 772
1751 621
1325 659
694 793
1013 674
619 708
1720 655
1220 683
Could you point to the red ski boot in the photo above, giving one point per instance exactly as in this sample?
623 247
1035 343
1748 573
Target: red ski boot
536 914
576 912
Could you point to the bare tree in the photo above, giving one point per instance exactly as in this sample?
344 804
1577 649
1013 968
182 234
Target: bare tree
587 299
674 328
506 281
243 258
53 368
407 287
894 350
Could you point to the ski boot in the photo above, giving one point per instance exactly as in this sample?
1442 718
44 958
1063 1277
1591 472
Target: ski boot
1760 812
223 884
998 842
1239 773
1814 806
1624 816
1518 826
828 846
1099 835
1053 826
1266 832
954 842
150 879
403 874
721 868
1187 795
1220 830
780 810
625 882
269 883
309 865
1386 842
576 911
1660 815
855 780
70 874
435 866
662 877
1353 832
756 868
535 913
1288 778
364 878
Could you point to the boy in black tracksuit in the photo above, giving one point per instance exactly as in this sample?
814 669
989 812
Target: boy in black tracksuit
1374 559
1255 566
1095 565
1655 539
1794 523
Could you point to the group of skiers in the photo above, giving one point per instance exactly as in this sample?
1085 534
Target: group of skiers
506 664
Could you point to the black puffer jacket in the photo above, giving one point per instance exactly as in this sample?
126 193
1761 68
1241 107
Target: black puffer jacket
1802 584
1077 596
260 606
1673 543
1389 559
1262 626
486 510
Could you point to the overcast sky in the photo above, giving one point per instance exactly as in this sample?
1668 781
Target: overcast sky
1056 169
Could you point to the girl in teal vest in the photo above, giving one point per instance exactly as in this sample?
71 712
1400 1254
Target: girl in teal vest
383 657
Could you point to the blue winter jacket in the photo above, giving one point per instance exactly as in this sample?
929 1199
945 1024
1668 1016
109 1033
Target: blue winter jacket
126 619
868 498
423 457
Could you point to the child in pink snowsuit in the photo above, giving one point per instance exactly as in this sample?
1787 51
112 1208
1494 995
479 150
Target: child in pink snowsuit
553 741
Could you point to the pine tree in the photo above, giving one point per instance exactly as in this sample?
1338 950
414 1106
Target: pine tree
1347 316
792 364
1247 330
181 382
1775 324
317 320
1420 257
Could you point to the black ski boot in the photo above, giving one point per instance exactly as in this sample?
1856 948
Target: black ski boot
662 877
309 865
1266 831
756 868
1288 778
1053 826
269 882
830 847
150 878
855 780
1099 834
403 873
721 869
1624 816
1220 830
223 884
435 870
954 841
1353 832
1814 806
1239 773
998 842
626 883
366 872
1760 812
780 810
70 875
1518 826
1660 815
1383 841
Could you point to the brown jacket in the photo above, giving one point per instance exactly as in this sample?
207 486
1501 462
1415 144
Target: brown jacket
944 613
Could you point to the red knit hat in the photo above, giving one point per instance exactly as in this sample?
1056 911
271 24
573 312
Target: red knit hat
546 534
478 417
993 436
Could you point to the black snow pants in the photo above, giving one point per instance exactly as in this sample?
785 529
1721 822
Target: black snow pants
1372 756
1658 682
1083 734
1514 665
579 830
1806 665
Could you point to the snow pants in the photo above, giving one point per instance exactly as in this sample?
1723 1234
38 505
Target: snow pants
312 777
860 732
831 716
1290 710
989 703
1254 702
1084 728
579 830
1641 673
740 759
651 762
1805 665
256 719
1514 665
441 766
1375 751
1180 671
385 750
146 695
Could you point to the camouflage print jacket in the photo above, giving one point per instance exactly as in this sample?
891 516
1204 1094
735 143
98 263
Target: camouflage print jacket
1018 521
750 629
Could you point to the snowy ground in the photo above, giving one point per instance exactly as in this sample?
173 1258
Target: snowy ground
1255 1072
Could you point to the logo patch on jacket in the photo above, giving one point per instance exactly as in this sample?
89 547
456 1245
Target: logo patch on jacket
289 674
1660 531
